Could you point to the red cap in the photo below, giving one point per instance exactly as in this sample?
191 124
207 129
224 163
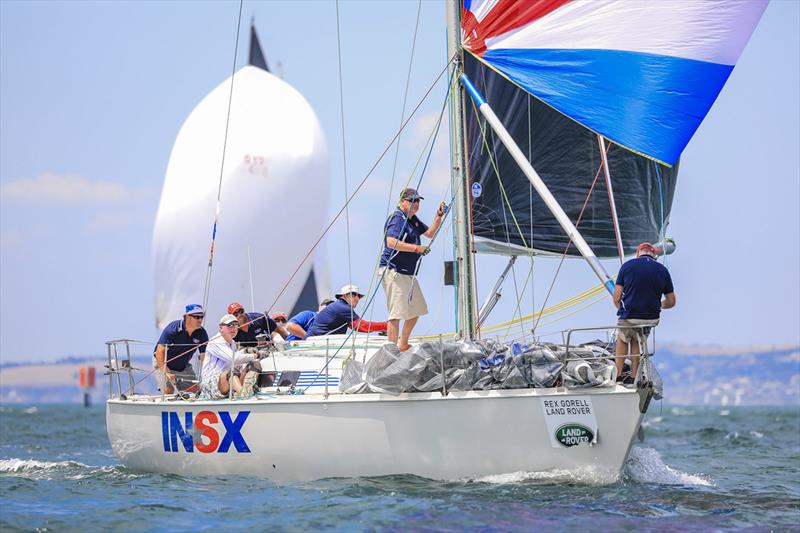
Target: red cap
646 249
234 308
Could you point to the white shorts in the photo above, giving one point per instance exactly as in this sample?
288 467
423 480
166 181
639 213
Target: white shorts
404 298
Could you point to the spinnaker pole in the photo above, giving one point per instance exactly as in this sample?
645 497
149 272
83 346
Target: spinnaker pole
538 184
462 225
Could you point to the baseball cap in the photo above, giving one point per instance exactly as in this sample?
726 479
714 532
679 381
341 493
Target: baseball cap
646 249
410 194
347 289
194 309
234 308
227 320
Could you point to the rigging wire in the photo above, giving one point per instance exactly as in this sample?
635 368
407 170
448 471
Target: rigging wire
569 242
403 110
663 235
222 164
344 151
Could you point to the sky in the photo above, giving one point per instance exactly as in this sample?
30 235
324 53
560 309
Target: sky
92 95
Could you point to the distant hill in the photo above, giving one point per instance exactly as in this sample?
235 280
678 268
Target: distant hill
693 375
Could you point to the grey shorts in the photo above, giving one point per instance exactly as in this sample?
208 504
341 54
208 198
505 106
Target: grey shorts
184 378
625 329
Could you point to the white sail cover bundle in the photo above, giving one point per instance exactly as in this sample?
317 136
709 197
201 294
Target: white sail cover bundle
273 200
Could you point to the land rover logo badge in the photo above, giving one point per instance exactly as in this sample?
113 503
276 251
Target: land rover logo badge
572 434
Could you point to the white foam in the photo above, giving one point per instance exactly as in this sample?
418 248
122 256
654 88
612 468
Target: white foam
30 410
646 466
18 466
583 476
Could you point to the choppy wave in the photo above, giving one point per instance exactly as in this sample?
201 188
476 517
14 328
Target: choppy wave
73 470
646 466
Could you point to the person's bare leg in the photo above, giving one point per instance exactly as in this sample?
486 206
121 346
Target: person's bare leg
392 330
408 326
621 353
634 358
223 385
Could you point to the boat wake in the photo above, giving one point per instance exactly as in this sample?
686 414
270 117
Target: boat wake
645 465
45 470
580 476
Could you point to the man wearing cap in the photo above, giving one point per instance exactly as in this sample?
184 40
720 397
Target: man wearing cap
402 252
299 324
252 324
175 348
221 357
341 314
640 284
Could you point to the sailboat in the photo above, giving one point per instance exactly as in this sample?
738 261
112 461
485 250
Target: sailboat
275 145
545 97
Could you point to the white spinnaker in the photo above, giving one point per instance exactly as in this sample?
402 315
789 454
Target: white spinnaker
274 199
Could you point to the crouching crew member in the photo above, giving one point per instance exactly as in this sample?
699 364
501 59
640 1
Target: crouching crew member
300 323
341 314
176 346
252 324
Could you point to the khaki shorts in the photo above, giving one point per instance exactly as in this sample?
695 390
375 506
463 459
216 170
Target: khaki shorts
185 375
625 331
398 287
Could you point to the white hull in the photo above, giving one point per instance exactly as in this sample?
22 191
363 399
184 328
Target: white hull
461 435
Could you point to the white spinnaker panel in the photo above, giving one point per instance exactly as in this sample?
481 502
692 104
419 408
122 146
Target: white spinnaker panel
274 199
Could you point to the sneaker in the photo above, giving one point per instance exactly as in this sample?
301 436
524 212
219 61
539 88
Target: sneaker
249 382
628 380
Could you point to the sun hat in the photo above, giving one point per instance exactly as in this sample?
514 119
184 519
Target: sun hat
234 308
347 289
410 194
646 249
194 309
227 320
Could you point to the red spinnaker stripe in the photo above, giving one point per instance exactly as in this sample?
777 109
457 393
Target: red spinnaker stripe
507 15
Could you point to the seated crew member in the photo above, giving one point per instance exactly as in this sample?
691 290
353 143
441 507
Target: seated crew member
300 323
637 295
217 379
340 315
252 324
176 346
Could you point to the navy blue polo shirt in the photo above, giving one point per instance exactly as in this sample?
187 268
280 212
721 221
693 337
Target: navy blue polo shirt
259 323
405 230
304 319
644 280
179 344
333 319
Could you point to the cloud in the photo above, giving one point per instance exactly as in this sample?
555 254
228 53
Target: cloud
63 190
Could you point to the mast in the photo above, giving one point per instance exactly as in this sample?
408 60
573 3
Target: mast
462 225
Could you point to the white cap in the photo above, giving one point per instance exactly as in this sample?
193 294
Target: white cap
347 289
227 319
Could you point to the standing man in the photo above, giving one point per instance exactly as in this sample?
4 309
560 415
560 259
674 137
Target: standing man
341 314
640 284
252 324
176 346
402 252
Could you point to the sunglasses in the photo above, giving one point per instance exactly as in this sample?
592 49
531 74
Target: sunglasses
198 317
233 325
239 312
280 320
355 294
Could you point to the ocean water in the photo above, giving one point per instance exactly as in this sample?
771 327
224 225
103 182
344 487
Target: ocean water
698 469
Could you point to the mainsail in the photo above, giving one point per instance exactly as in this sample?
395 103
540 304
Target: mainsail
274 195
558 73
